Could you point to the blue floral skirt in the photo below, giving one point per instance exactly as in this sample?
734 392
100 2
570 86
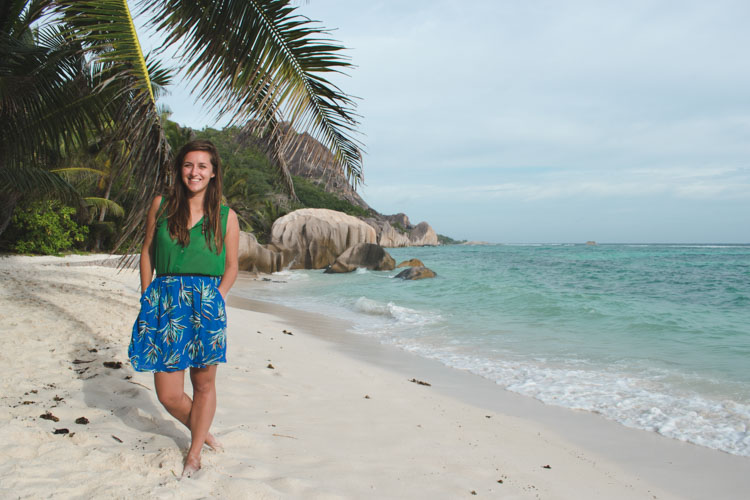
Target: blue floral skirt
182 324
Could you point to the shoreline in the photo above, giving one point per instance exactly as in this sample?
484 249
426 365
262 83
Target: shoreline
316 414
687 469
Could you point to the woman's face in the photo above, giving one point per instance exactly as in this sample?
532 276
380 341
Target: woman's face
197 171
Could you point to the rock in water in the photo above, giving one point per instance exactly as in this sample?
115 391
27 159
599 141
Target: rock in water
368 255
411 263
416 273
317 236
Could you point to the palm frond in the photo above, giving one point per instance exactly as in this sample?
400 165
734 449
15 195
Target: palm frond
107 30
101 203
160 77
76 170
260 63
29 180
45 98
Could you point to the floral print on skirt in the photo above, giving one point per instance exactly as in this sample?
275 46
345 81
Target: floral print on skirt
182 324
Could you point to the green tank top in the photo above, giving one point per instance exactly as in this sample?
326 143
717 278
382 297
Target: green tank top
196 258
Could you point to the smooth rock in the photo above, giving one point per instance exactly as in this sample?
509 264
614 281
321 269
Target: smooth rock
411 263
399 218
403 234
367 255
256 258
416 273
387 235
317 236
423 235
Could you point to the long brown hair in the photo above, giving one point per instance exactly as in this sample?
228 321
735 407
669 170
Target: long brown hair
178 209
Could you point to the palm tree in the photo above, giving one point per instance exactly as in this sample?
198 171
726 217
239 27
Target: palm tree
39 81
255 61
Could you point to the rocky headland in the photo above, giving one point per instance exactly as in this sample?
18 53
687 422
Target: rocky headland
319 238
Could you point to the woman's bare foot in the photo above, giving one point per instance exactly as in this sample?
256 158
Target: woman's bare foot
214 443
192 465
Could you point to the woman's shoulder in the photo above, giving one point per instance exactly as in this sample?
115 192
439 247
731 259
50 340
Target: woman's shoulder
229 215
156 210
156 203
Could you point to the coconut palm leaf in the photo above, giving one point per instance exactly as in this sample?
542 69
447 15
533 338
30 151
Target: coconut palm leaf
106 33
34 180
99 204
46 104
77 170
45 98
262 64
105 28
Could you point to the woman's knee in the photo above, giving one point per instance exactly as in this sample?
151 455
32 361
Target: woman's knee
170 398
204 380
170 388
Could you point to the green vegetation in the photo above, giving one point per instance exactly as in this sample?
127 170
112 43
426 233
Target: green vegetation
45 227
447 240
313 196
398 227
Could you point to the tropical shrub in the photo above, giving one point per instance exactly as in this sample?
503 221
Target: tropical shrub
45 227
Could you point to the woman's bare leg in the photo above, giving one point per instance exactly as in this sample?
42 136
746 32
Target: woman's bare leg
171 393
201 414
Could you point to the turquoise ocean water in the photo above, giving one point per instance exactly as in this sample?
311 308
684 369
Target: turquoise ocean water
655 337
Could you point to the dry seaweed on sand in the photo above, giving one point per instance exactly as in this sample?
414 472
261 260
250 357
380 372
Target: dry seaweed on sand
421 382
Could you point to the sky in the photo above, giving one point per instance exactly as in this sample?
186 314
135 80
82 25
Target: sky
548 121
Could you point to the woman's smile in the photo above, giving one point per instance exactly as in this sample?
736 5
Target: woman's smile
197 171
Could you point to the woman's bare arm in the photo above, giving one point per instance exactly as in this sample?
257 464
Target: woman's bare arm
231 243
147 252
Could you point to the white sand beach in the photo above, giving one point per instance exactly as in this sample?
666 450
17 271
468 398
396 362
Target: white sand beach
306 415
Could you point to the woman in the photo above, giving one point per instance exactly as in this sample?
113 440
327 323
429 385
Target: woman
191 242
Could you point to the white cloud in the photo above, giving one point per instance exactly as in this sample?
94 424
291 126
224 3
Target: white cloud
680 183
